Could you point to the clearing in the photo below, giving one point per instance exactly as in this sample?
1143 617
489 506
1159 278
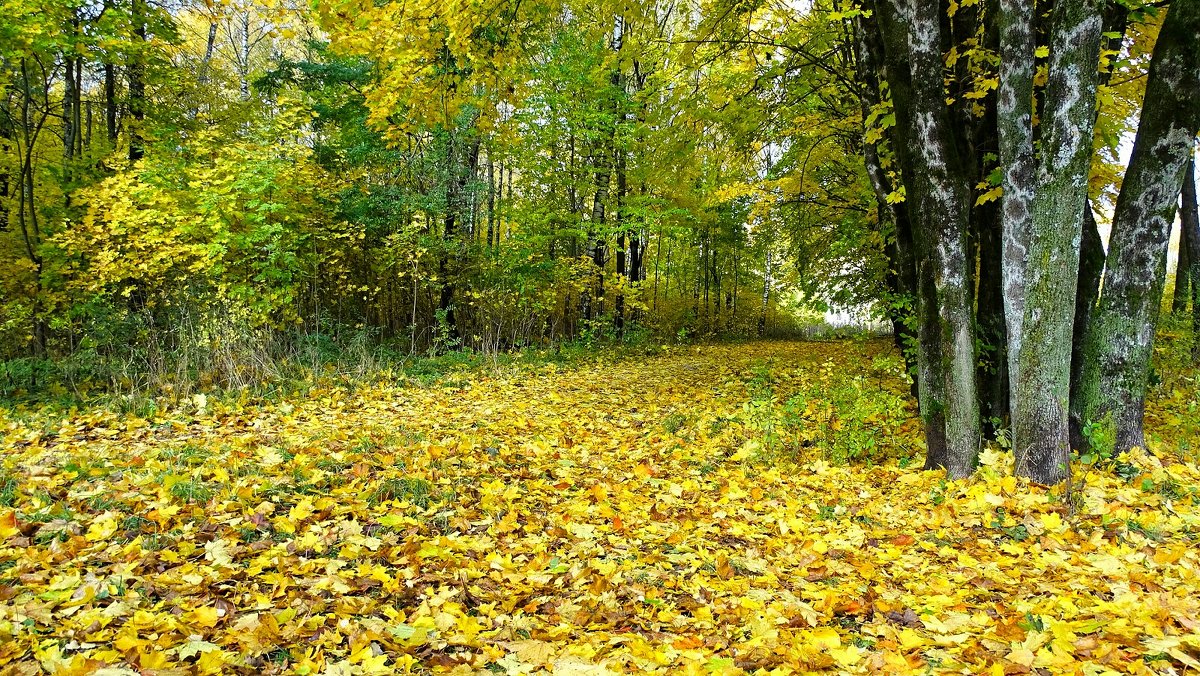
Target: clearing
685 512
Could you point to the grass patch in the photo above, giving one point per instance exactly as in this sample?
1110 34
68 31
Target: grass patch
418 492
191 491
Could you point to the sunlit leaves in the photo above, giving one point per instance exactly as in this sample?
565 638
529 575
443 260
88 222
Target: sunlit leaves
230 222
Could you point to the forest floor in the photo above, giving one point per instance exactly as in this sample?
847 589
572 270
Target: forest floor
681 513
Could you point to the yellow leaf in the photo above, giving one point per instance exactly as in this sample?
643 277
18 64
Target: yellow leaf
8 524
825 637
102 529
848 656
206 616
1053 522
217 551
990 195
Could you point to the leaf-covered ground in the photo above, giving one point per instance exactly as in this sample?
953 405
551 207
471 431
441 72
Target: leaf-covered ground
669 514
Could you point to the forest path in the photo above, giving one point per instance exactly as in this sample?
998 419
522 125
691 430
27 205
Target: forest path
613 516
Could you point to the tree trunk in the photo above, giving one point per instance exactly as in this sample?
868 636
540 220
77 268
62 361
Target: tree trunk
110 102
1015 126
1120 337
895 229
457 178
597 242
1091 268
1091 253
938 199
208 51
1190 219
244 61
1044 289
137 83
7 136
1187 210
993 363
619 218
766 296
491 229
68 115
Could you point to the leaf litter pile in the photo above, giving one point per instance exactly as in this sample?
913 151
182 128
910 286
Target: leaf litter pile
681 513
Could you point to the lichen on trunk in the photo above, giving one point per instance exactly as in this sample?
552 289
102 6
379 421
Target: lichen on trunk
1120 337
938 202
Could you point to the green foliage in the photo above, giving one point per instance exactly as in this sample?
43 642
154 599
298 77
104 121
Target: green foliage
841 418
1101 437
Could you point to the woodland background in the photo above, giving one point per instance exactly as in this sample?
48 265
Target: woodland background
200 195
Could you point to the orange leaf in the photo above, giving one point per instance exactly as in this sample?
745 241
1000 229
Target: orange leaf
688 643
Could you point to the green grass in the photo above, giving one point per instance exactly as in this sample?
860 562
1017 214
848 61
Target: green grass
191 491
418 492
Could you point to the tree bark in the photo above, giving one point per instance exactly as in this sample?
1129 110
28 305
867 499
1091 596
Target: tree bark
137 83
110 102
491 222
208 51
1046 285
1187 211
1015 127
766 296
1190 220
1091 255
7 135
459 173
1091 268
1120 337
900 278
938 198
619 218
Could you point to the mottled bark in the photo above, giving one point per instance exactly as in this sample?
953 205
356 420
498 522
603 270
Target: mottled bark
1042 355
1115 21
938 202
887 37
1015 127
1121 334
